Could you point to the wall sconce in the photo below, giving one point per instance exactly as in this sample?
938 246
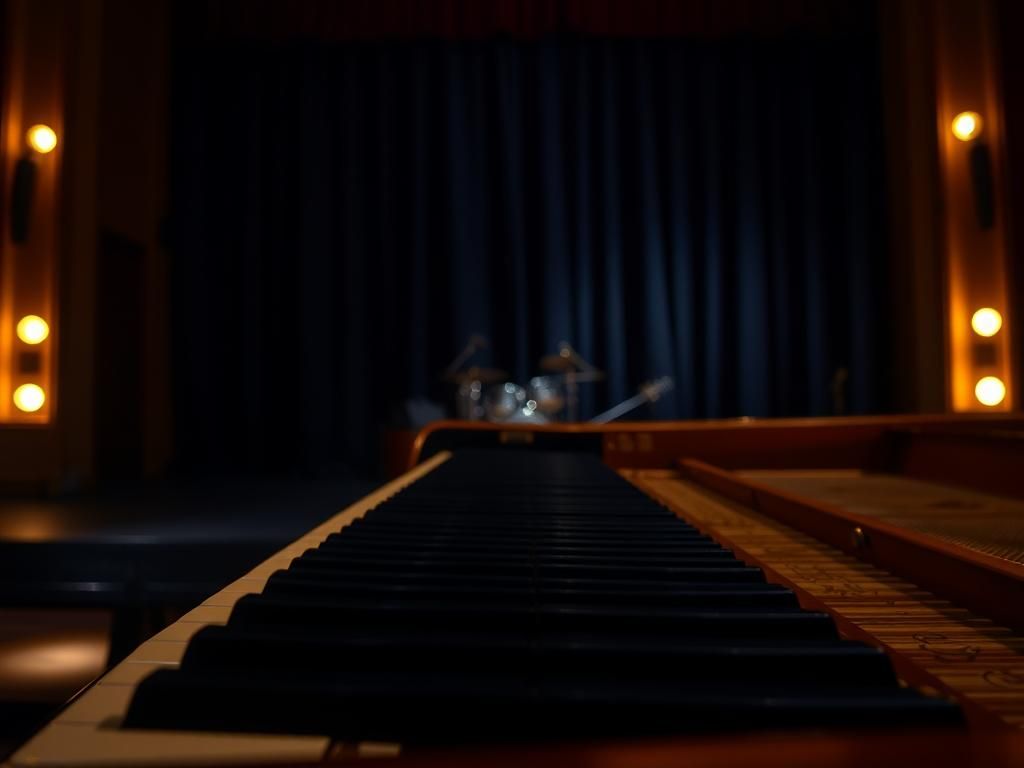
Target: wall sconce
29 398
986 322
990 391
967 126
41 140
32 329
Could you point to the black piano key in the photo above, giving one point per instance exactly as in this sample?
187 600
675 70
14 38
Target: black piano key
725 572
673 529
500 708
523 596
525 558
744 579
763 596
347 655
306 616
400 541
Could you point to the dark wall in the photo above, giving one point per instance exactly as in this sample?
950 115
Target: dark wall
1010 17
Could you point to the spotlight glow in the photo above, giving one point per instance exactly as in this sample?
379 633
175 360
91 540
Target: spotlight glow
29 398
986 322
42 138
967 125
32 329
990 391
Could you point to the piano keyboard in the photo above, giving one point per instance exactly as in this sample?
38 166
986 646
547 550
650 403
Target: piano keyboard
502 596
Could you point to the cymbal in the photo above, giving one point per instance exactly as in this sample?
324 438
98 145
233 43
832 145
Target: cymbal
564 365
556 363
483 375
582 377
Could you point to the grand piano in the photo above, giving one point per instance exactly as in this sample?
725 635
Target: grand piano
779 592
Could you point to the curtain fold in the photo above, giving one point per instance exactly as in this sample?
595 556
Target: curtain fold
345 216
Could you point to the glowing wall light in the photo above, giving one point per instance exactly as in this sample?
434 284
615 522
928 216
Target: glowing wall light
990 390
41 138
32 329
29 398
986 322
967 126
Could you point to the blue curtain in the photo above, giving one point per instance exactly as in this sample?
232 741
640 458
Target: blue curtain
344 216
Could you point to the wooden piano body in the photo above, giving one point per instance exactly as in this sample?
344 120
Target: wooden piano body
907 530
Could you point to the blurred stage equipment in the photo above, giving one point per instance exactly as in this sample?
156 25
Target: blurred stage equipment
486 393
649 393
501 402
470 382
469 403
475 344
574 371
510 403
547 392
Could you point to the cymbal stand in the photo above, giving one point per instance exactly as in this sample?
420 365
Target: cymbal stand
572 387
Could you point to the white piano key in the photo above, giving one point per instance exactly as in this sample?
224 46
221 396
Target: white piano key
227 599
179 632
161 651
100 704
207 614
64 745
131 672
86 733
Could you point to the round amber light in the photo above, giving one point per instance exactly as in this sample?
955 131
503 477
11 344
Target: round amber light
990 391
42 138
967 125
29 398
32 329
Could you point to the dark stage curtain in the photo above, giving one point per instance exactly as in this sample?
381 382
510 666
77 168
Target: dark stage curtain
344 216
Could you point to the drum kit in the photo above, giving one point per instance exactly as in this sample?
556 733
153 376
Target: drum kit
487 394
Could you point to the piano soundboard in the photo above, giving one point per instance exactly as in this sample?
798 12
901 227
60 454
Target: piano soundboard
532 596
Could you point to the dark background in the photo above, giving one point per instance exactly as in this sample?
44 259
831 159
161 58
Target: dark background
678 189
344 217
286 218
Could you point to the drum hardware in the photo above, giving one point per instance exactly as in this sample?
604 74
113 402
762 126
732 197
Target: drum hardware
468 403
649 392
528 414
546 392
483 375
475 343
469 395
504 401
576 371
486 393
